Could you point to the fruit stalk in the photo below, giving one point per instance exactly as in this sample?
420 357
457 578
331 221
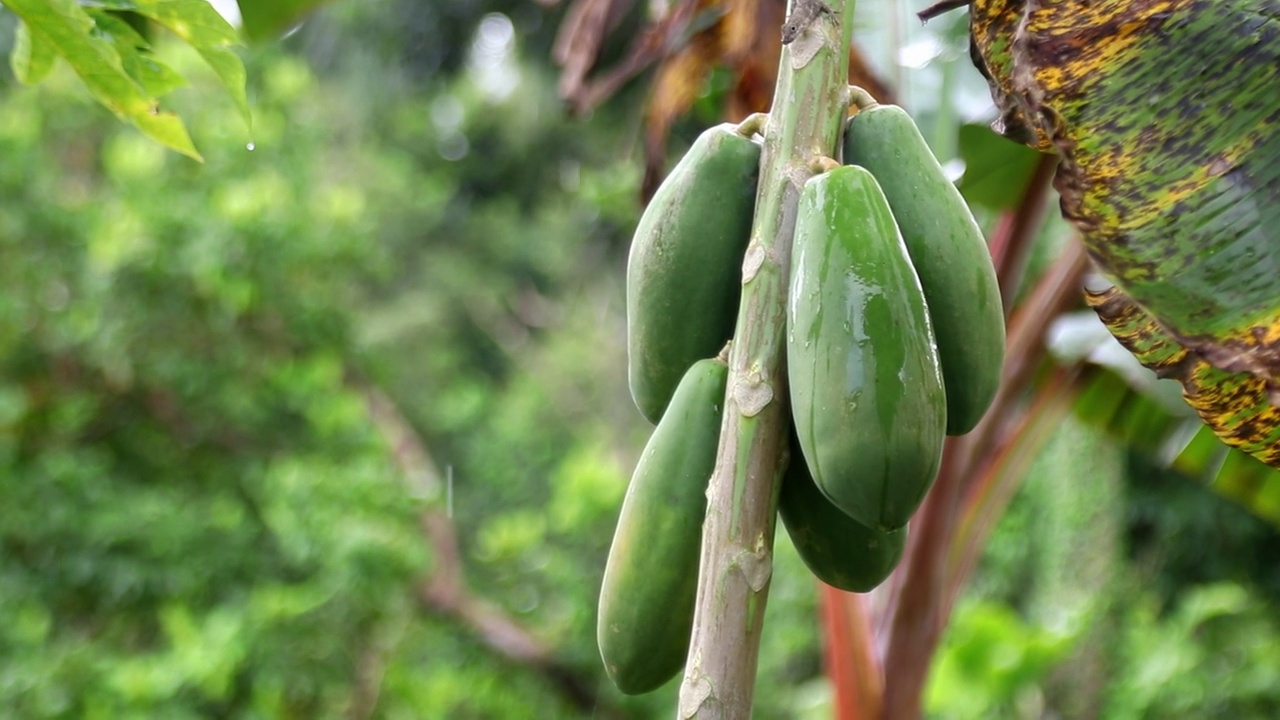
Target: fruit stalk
736 563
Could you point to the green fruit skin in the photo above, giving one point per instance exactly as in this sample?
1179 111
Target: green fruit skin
651 577
684 272
867 397
837 549
949 254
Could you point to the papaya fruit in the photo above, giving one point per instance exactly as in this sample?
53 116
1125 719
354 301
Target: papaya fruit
837 549
948 252
684 270
651 577
867 395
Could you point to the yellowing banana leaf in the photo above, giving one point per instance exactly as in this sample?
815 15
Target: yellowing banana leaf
1166 114
1130 403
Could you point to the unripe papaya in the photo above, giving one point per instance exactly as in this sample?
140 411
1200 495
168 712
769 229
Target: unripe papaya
867 397
651 577
948 252
837 549
684 272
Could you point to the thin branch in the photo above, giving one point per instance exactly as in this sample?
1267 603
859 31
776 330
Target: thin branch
938 8
445 591
1014 236
852 666
371 666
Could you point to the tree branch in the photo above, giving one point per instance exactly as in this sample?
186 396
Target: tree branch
445 591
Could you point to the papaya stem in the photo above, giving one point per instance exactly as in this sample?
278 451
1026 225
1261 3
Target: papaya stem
753 124
821 164
736 563
861 98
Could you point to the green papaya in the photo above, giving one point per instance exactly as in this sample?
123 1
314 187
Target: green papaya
684 272
837 549
948 252
651 577
867 396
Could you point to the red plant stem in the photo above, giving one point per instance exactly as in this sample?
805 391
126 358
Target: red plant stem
1056 291
1014 235
1005 468
852 666
916 621
919 599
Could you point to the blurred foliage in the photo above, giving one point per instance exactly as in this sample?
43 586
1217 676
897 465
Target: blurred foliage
991 663
109 47
200 518
268 19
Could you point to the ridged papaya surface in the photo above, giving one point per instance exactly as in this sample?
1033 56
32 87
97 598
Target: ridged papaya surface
684 272
867 397
948 252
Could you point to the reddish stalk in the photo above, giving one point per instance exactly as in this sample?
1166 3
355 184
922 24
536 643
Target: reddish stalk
1001 475
919 598
852 665
1014 235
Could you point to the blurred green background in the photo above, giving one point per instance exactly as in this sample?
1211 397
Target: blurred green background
247 408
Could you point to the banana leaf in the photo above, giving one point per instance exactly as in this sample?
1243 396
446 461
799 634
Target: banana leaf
1166 115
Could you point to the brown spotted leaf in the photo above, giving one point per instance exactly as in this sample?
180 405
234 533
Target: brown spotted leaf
1167 117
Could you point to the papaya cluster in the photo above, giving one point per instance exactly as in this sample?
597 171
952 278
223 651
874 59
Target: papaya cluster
895 338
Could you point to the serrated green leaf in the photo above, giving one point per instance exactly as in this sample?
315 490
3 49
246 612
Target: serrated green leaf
154 76
269 19
32 59
199 25
69 31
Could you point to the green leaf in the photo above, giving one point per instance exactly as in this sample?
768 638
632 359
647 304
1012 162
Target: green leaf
1180 442
1127 400
32 59
155 77
995 169
196 23
66 28
269 19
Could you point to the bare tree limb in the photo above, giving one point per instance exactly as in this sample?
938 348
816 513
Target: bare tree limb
445 591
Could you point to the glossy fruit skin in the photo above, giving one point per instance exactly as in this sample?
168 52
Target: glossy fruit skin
651 578
867 396
948 252
684 272
837 549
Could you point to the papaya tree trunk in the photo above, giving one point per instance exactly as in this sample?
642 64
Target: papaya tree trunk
810 103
